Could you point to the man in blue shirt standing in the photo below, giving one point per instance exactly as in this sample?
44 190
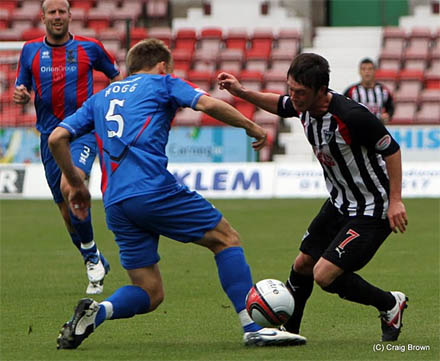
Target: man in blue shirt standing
59 67
132 119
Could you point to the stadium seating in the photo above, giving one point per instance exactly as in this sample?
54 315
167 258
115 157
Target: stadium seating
289 38
251 79
390 58
275 81
262 40
281 58
231 60
4 19
79 17
429 113
205 59
32 33
404 113
394 38
162 33
182 59
387 77
210 39
236 38
27 15
9 5
257 59
200 78
185 39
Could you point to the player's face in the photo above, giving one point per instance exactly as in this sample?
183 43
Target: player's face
303 98
56 18
367 72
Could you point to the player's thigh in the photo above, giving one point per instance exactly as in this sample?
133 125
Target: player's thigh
137 245
321 231
357 242
181 215
51 169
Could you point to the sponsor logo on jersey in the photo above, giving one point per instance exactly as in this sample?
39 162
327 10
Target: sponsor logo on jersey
325 158
56 69
45 54
383 143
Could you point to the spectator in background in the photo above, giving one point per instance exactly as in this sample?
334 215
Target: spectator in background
374 95
58 67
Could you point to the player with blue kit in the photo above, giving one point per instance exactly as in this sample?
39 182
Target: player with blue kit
132 119
58 67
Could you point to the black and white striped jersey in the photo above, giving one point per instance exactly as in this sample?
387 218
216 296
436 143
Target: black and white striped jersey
350 143
377 99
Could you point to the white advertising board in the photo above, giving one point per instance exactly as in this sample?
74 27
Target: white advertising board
228 180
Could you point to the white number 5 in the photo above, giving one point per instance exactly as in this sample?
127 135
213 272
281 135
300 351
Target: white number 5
111 117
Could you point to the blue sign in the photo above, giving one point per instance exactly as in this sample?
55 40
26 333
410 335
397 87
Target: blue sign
209 144
417 138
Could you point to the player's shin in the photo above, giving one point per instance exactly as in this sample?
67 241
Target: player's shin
301 287
126 302
84 231
353 287
236 280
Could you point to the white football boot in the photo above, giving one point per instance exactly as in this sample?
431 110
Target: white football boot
391 320
273 337
95 273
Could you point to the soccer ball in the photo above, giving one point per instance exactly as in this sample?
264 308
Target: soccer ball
269 303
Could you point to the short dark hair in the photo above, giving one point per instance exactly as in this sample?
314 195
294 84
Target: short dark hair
146 54
367 61
310 70
43 5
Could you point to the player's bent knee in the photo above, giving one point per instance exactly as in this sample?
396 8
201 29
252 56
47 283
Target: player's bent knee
156 300
304 264
221 237
322 281
156 295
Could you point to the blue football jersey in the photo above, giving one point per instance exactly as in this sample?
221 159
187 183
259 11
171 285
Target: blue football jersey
61 76
132 120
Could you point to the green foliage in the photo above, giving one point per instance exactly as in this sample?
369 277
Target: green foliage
42 278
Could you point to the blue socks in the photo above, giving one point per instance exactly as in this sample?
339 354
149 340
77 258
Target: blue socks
83 235
126 302
235 277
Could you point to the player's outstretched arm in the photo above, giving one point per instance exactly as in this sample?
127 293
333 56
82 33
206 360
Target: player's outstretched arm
396 211
79 196
266 101
224 112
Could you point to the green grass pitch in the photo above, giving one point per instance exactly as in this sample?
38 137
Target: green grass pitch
42 278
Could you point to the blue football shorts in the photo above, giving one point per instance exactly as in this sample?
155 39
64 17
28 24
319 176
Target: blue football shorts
83 151
137 223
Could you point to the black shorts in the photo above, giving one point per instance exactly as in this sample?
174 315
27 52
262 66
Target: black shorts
347 242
